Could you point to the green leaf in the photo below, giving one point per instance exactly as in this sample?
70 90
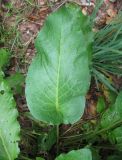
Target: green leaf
101 105
115 137
9 126
82 154
46 141
15 81
114 157
39 158
103 79
111 97
112 118
107 52
95 153
113 114
4 57
58 78
1 75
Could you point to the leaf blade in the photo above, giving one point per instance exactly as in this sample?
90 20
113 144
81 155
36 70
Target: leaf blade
82 154
9 127
4 57
113 114
56 68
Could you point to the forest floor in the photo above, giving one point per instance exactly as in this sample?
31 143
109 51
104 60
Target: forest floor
20 22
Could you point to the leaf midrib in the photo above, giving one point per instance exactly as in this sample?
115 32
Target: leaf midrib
58 73
3 143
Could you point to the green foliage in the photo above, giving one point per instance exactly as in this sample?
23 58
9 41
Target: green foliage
111 97
56 86
113 114
95 154
101 105
4 58
103 79
112 118
115 137
16 81
82 154
1 75
59 78
115 157
39 158
107 52
55 89
9 126
46 141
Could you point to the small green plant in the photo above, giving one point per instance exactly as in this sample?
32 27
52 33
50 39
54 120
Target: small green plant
9 126
107 53
82 153
62 69
59 95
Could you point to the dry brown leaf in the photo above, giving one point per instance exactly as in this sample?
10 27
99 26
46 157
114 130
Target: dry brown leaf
112 12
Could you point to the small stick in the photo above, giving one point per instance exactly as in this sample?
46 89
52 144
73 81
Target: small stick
79 2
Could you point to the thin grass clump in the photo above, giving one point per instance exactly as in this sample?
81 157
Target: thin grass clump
107 53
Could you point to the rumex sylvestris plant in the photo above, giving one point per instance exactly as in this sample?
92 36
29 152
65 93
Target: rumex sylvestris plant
59 76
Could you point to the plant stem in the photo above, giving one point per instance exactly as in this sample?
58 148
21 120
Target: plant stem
57 142
91 134
30 3
105 129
